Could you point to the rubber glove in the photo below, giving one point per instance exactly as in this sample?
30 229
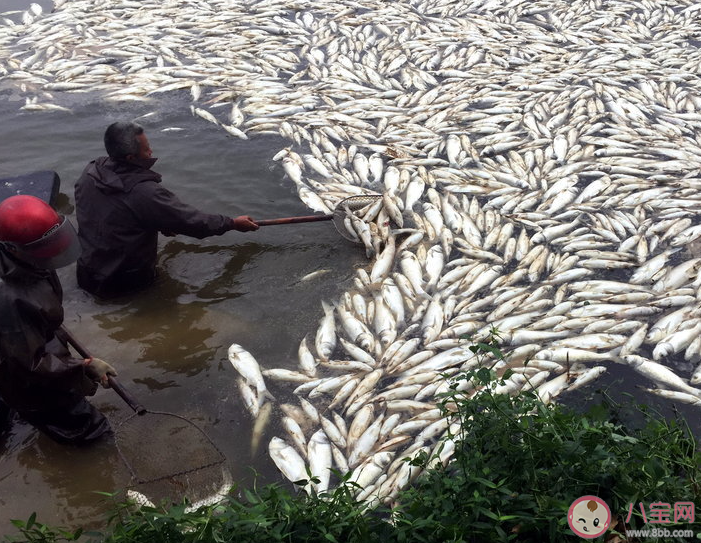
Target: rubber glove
244 223
98 370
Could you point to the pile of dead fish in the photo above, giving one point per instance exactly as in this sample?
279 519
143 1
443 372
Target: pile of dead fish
536 167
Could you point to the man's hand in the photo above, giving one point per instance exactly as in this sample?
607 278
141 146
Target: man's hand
244 223
98 370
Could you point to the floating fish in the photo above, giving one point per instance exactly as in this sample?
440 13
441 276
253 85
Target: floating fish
562 211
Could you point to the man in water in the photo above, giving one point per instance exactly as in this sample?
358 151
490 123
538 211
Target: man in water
121 207
38 376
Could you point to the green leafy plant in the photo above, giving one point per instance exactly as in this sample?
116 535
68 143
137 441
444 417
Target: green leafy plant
520 464
32 530
517 466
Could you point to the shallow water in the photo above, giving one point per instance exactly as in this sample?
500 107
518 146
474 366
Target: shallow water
170 342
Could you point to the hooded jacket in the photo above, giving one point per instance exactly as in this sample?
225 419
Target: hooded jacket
33 377
121 206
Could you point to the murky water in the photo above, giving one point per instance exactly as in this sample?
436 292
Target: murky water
170 343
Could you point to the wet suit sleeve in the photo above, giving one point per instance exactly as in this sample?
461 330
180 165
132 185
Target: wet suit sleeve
161 210
24 335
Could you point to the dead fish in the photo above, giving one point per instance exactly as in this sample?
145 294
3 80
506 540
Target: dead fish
314 275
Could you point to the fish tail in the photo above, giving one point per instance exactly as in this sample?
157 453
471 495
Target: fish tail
265 396
374 287
616 356
425 295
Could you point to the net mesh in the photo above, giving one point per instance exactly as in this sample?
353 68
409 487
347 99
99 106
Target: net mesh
158 446
200 487
359 206
356 205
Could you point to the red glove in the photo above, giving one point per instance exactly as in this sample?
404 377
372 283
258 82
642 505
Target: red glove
244 223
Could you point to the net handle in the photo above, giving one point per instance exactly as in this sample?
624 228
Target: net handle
126 396
337 216
293 220
114 384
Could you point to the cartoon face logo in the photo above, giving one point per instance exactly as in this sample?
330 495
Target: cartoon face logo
589 517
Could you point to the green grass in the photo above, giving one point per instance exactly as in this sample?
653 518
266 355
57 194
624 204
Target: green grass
517 467
522 463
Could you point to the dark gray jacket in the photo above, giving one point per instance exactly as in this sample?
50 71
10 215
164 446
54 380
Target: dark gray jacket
121 206
32 376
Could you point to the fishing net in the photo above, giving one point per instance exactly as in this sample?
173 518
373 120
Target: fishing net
364 208
200 487
157 446
357 205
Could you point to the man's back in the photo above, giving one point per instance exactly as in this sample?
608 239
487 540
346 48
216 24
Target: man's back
121 206
118 245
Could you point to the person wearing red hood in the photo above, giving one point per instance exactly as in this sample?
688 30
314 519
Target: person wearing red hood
121 206
39 378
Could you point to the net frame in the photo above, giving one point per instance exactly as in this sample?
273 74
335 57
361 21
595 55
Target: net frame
352 204
124 443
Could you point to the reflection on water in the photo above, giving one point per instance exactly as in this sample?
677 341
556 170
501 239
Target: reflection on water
210 272
65 477
169 343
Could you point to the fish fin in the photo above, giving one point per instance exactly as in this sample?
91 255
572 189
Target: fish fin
425 295
265 396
